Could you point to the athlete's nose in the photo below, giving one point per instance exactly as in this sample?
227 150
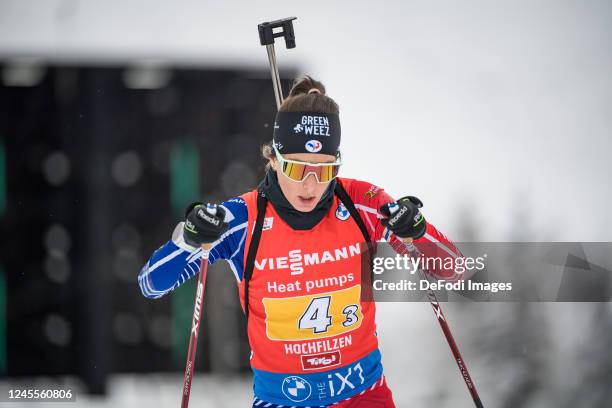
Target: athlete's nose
310 182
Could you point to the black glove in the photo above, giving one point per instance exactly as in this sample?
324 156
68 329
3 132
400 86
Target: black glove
203 224
404 218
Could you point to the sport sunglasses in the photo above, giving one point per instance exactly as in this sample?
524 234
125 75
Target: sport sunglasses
298 170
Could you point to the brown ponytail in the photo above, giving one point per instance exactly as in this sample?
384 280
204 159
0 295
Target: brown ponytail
300 100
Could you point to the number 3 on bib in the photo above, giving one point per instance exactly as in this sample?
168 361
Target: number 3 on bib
315 316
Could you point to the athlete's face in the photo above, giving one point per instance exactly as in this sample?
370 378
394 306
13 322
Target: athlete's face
302 195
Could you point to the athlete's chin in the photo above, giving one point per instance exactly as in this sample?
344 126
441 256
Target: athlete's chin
304 208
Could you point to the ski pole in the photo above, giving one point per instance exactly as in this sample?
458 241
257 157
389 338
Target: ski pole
433 300
266 37
195 327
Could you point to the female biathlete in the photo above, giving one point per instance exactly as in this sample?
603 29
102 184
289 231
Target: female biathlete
294 245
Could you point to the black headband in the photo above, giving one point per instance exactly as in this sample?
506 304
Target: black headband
307 132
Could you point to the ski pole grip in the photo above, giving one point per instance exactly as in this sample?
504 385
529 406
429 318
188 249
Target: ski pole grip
393 207
267 32
212 210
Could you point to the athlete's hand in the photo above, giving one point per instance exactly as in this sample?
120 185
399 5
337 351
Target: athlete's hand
203 224
404 218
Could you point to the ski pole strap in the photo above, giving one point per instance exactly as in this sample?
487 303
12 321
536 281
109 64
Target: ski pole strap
350 206
262 201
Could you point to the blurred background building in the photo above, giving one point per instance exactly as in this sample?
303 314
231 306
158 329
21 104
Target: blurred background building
115 115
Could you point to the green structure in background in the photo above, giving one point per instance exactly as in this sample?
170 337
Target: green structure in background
184 189
3 317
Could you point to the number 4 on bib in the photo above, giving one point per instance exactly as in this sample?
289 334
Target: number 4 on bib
317 316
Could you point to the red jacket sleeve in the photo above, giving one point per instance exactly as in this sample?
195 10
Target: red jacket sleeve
368 199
